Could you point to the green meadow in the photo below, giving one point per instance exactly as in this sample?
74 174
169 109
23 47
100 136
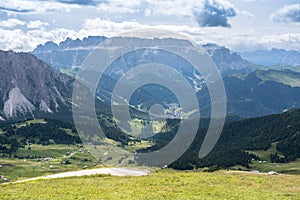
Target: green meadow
164 184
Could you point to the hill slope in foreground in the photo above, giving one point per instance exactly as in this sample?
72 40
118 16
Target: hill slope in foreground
165 184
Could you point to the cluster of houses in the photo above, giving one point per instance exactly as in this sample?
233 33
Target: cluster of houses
174 111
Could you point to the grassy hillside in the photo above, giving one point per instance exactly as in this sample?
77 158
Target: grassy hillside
62 158
286 168
244 140
287 77
260 93
166 184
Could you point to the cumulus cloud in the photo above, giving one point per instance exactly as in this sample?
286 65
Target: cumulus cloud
20 40
10 23
27 40
208 13
288 41
28 6
214 13
36 24
287 14
39 6
120 6
109 28
245 13
241 42
192 15
171 7
14 39
283 41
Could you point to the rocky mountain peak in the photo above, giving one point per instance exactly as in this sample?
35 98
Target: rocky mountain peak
29 86
71 53
225 59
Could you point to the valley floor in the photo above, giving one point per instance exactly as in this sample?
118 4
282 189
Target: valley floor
164 184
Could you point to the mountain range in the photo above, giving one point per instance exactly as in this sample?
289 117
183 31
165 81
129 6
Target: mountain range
33 88
71 53
272 57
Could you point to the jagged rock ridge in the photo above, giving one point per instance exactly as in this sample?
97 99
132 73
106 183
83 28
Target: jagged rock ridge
29 86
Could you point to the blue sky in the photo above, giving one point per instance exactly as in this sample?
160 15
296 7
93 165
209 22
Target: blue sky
240 25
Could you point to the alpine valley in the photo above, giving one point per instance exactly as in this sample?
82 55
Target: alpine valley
262 125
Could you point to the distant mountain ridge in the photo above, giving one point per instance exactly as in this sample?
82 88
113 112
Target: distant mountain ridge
250 92
228 62
273 57
71 53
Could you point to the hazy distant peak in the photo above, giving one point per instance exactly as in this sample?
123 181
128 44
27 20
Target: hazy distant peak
273 57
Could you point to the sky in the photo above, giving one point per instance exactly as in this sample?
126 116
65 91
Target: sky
241 25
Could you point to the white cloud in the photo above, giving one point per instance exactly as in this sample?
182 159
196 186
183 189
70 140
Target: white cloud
19 40
27 40
214 13
125 3
56 35
10 23
245 13
174 15
206 12
288 13
109 28
288 41
172 7
29 6
14 39
284 41
120 6
106 27
36 24
149 8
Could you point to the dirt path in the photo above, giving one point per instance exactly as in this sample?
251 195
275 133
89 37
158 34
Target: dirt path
87 172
